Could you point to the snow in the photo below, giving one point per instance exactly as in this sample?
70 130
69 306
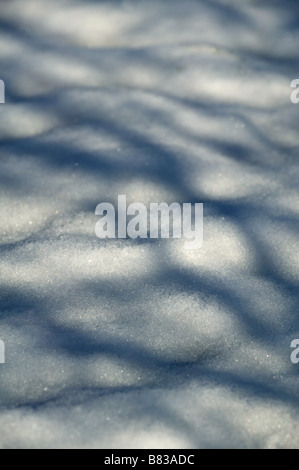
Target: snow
142 343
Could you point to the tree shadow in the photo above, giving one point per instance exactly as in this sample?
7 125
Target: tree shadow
149 157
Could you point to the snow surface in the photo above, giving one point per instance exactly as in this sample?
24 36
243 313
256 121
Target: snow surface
141 343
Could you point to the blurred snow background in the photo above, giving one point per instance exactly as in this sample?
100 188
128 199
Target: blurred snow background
144 344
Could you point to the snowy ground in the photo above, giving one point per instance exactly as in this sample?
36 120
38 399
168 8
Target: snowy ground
144 344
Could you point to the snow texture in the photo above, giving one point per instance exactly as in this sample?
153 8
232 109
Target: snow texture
143 344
